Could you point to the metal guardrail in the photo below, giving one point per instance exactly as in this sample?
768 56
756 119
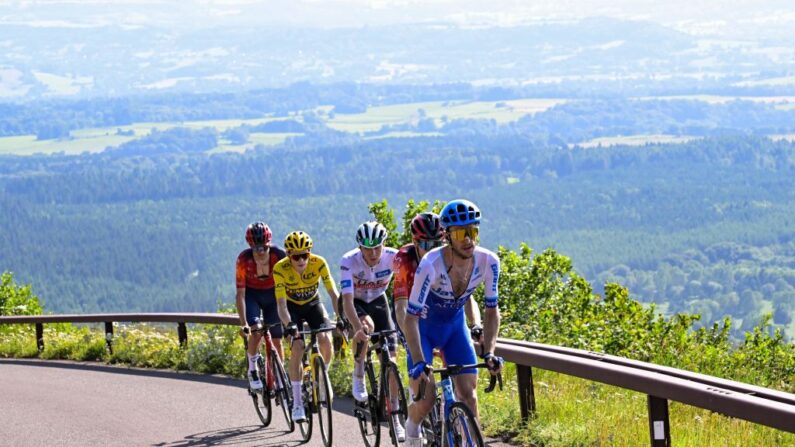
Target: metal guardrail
759 405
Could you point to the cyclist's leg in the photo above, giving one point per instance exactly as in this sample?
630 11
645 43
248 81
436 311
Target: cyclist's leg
253 312
382 319
360 346
317 318
458 350
270 315
295 368
419 409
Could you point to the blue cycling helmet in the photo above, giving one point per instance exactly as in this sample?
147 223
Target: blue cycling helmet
459 212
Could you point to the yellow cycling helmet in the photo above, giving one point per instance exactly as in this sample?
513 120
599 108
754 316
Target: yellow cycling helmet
297 241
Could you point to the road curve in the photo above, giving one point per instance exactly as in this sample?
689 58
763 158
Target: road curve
60 403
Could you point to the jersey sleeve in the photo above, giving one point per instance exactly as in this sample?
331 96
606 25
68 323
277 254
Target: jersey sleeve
421 287
491 281
325 274
403 275
279 284
240 273
346 275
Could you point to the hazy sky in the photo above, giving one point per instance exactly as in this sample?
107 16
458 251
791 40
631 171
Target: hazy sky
697 16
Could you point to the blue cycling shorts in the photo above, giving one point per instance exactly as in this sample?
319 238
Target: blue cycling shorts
452 338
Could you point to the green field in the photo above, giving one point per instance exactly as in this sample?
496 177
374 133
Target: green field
500 111
634 140
265 139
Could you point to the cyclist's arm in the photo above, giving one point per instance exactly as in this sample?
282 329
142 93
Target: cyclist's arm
350 311
331 288
415 307
411 330
284 313
280 290
400 312
472 312
491 326
240 303
346 289
402 287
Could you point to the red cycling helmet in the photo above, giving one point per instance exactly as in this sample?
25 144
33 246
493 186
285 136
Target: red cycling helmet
258 234
426 226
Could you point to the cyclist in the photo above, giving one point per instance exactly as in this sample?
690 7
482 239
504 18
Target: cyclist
297 279
426 234
255 293
365 275
444 282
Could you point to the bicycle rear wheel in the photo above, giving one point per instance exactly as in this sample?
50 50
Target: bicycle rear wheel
400 410
283 393
323 400
462 427
262 402
367 412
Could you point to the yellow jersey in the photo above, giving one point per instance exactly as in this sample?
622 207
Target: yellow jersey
301 289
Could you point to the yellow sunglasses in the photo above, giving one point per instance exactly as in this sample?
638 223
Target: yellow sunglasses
461 233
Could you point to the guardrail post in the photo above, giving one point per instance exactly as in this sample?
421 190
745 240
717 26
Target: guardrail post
527 397
40 336
659 428
109 335
182 333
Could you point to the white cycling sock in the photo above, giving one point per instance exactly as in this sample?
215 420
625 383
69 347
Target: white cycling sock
252 361
297 398
412 429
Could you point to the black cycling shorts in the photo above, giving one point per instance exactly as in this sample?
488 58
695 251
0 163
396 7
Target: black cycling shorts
380 312
312 312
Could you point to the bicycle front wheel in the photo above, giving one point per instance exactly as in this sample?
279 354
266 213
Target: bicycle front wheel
262 402
367 412
282 392
323 400
306 425
462 428
394 403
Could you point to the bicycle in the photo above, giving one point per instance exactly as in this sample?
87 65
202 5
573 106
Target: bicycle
379 402
276 384
450 422
316 389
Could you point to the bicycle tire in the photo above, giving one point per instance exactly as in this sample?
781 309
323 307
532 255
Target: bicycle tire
367 412
261 399
462 427
306 426
283 392
323 401
391 370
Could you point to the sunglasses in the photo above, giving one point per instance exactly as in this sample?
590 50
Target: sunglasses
261 249
300 257
429 244
461 233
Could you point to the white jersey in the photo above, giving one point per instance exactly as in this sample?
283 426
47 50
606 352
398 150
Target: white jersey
432 292
364 282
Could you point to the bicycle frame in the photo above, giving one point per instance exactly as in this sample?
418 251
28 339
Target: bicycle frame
267 343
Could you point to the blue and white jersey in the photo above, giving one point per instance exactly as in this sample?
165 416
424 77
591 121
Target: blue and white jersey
364 282
432 292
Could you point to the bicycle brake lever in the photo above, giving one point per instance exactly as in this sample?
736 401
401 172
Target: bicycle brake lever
493 381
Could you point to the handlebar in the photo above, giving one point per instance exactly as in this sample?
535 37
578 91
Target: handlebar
455 369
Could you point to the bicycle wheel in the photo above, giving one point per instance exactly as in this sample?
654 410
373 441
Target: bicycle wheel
367 412
283 393
262 402
391 372
462 427
306 425
323 400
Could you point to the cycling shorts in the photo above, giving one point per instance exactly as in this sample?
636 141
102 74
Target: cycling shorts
312 312
379 311
261 306
453 339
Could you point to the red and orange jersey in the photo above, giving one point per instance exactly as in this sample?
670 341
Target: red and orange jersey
404 265
246 269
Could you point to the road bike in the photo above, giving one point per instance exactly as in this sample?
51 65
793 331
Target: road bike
316 389
451 423
276 384
379 405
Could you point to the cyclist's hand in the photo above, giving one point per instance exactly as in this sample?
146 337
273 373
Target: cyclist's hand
291 329
361 334
245 331
495 363
419 373
476 332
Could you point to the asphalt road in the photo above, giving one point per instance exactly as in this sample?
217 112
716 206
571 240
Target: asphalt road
58 403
